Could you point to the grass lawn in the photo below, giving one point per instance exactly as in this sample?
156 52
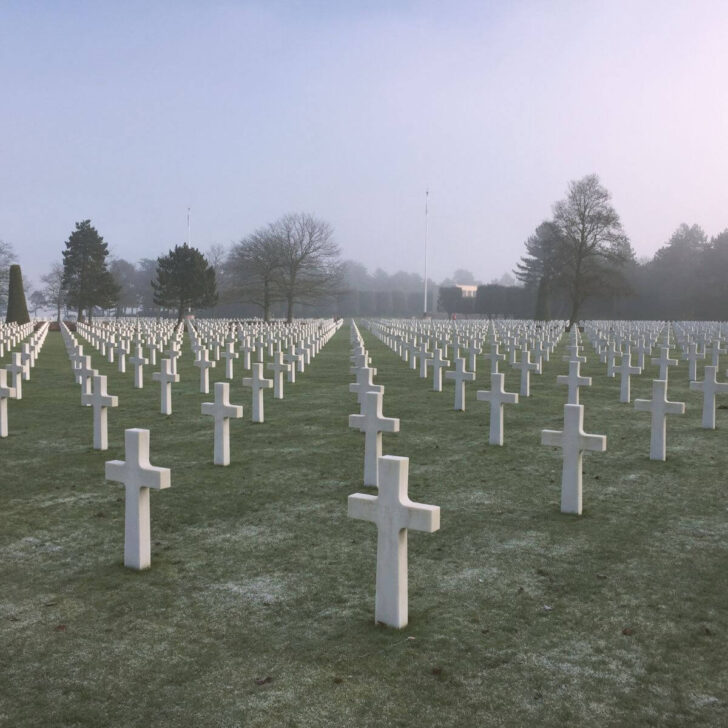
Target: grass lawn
258 609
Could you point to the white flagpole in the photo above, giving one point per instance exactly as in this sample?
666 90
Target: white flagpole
427 195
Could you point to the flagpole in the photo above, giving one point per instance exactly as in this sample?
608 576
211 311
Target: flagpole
427 195
188 226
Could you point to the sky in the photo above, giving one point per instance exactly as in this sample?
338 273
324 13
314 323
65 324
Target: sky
129 113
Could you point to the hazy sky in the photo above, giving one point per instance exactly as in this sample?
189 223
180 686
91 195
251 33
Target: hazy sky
129 112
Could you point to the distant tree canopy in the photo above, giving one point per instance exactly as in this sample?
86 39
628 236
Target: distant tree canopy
581 253
294 260
184 279
87 281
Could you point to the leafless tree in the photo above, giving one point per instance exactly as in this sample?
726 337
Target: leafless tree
53 291
592 244
310 268
253 264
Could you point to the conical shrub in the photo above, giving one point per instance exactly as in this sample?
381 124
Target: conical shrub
17 307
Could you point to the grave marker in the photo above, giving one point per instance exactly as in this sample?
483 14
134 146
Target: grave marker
572 441
137 476
394 513
222 411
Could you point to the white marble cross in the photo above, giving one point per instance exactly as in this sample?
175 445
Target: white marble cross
425 357
247 349
86 373
572 441
222 411
15 370
709 387
526 366
372 423
692 356
292 358
100 400
574 355
394 513
364 383
26 359
473 349
258 384
460 376
664 361
497 396
715 351
137 476
644 348
138 360
229 354
121 355
438 364
610 355
626 370
6 393
204 365
278 367
166 376
173 354
660 408
302 351
574 380
494 356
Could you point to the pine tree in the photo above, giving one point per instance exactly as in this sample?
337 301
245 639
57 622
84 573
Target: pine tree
86 278
184 280
17 307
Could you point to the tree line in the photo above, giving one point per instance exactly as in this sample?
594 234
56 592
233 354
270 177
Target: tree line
290 263
577 264
580 264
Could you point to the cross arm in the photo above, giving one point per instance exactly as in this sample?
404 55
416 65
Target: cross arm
363 507
357 421
595 443
553 438
421 517
115 470
157 478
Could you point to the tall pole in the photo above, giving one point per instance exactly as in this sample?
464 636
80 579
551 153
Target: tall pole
427 195
188 226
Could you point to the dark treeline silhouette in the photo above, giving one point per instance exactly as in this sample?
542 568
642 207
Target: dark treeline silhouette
687 279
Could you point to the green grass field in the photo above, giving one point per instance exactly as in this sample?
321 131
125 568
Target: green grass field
258 609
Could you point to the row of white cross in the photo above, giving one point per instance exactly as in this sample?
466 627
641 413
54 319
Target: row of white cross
20 365
138 476
94 393
392 510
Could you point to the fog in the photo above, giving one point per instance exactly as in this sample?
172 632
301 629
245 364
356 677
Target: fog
129 113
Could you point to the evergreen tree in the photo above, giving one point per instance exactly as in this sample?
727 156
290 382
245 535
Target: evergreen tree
184 280
540 267
7 256
86 278
17 307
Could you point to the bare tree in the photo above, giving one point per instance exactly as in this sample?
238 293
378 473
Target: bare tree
310 268
253 264
593 246
53 290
